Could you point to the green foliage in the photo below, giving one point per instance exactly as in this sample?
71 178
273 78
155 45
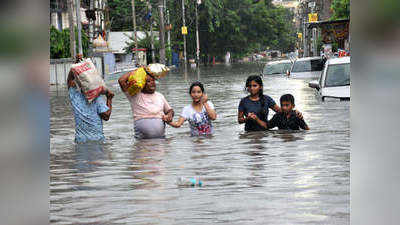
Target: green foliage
60 44
144 43
341 9
238 26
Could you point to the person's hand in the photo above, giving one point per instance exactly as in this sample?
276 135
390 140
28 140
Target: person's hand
204 98
109 94
252 116
131 83
299 114
167 118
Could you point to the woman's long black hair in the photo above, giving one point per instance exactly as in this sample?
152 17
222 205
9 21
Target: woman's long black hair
259 81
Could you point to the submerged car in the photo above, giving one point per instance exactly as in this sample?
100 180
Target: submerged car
277 67
309 67
335 79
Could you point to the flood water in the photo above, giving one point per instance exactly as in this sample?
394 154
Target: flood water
270 177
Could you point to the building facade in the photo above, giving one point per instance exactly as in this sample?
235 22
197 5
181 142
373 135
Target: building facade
59 15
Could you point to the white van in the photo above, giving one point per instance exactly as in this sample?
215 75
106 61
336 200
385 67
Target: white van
309 67
335 79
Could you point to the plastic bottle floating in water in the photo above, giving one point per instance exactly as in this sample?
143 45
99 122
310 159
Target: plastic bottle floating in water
189 182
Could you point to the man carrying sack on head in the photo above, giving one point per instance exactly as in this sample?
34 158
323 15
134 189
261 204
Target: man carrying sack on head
150 109
89 113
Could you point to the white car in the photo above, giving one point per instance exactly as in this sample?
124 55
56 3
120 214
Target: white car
276 67
335 79
309 67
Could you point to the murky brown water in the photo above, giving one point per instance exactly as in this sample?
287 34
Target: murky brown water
257 178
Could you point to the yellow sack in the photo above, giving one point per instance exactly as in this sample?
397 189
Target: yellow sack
139 75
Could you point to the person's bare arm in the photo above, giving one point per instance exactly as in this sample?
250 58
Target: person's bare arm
70 79
106 115
276 108
241 118
178 123
211 112
254 117
123 82
169 115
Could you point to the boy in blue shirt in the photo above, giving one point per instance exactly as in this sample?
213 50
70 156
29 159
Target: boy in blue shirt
287 119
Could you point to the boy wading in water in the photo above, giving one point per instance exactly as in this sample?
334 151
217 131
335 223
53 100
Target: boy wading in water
287 119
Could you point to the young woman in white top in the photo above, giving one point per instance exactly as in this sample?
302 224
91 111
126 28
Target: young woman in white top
199 113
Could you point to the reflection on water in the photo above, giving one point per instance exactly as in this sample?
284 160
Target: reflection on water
274 177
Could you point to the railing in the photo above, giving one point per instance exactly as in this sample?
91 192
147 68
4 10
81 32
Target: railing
59 69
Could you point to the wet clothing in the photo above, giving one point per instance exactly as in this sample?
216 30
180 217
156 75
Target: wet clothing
88 123
281 121
145 106
149 128
247 106
148 110
199 122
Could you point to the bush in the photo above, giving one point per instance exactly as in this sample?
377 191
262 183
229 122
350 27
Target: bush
59 43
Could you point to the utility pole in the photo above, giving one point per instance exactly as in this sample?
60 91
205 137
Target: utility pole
72 40
79 22
153 57
197 35
162 31
184 36
91 22
169 37
134 31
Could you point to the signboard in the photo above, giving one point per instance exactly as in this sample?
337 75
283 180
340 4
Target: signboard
300 35
312 17
184 30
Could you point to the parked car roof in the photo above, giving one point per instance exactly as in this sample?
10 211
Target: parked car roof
308 58
340 60
279 61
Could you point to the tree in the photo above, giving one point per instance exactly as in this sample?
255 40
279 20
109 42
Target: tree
238 26
59 43
341 9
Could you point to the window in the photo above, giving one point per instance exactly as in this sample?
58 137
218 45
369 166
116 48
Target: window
338 75
276 68
308 66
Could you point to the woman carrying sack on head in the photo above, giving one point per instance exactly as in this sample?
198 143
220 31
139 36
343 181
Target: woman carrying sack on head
150 109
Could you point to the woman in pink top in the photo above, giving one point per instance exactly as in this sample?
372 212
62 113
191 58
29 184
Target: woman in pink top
149 108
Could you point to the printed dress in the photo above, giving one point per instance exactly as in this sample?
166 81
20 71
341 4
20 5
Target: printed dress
199 122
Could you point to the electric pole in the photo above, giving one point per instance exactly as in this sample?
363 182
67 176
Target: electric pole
91 22
197 35
169 37
153 57
72 41
162 31
184 35
79 22
134 31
